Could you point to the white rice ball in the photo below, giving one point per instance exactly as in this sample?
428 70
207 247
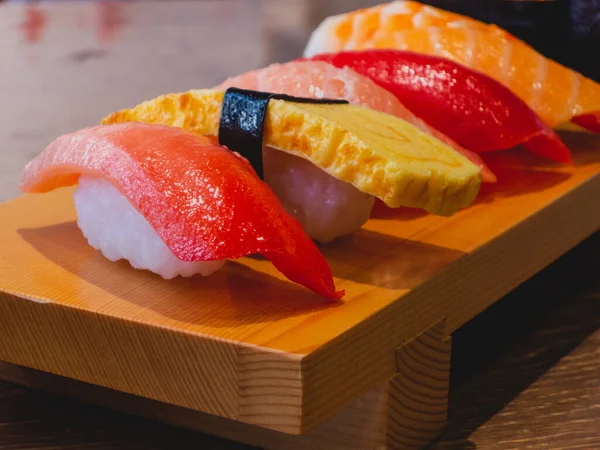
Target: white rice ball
112 225
326 207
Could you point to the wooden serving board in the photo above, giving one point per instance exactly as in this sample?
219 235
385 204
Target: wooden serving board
250 356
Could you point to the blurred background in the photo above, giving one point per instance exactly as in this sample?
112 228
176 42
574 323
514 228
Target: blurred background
565 30
66 64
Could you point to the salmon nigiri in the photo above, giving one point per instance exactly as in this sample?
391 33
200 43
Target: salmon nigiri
471 108
174 203
556 93
316 79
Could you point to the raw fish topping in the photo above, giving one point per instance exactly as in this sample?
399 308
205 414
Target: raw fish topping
590 122
203 200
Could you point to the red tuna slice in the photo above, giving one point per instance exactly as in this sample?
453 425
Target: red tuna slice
204 201
590 122
316 79
471 108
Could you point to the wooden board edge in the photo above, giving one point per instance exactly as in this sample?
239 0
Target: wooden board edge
218 377
406 412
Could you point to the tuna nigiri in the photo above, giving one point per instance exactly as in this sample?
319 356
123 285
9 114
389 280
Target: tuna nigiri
473 109
338 152
556 93
174 203
316 79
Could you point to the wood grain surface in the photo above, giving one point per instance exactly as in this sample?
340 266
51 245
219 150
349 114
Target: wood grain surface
532 384
418 394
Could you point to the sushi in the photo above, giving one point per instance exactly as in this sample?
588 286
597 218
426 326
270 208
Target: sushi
174 203
316 79
556 93
374 153
471 108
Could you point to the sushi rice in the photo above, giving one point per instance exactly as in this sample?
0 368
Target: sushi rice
112 225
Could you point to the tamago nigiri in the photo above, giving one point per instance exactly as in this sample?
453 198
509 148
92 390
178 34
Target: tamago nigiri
342 151
174 203
556 93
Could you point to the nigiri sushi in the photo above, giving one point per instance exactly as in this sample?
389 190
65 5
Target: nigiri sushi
471 108
374 153
556 93
174 203
316 79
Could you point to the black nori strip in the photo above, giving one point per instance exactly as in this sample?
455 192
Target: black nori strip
241 125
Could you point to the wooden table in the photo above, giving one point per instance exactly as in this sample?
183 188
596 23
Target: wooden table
536 384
